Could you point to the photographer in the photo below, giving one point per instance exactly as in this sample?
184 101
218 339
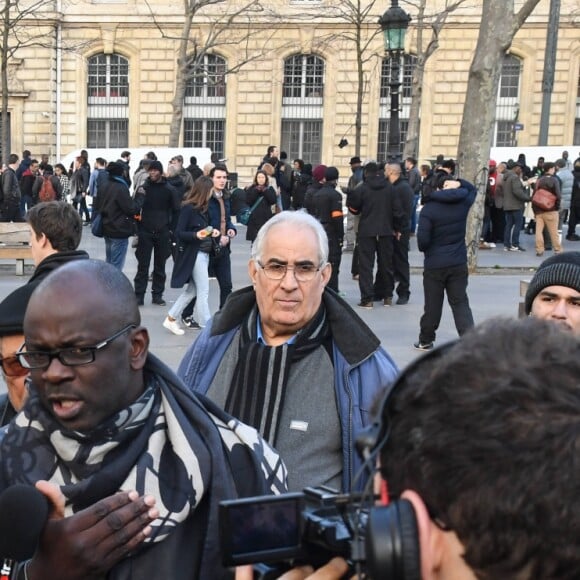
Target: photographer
482 467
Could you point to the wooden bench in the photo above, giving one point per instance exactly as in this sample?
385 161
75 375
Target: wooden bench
14 244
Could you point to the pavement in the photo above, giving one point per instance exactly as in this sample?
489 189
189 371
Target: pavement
493 291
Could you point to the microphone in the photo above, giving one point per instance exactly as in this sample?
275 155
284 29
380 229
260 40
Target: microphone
23 515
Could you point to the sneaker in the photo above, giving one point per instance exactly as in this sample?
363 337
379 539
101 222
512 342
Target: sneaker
506 249
388 302
423 345
517 249
190 322
539 254
173 326
491 245
403 300
573 238
484 246
367 305
159 301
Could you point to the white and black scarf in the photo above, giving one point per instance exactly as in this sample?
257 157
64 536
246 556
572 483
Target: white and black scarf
165 444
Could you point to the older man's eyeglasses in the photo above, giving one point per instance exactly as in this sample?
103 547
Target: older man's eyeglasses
71 357
12 367
302 272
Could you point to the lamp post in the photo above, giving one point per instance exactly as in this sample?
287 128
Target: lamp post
394 23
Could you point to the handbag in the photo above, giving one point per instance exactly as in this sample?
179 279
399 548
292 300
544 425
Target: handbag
543 199
244 216
97 226
211 245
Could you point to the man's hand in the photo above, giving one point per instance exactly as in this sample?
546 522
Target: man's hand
334 570
224 240
89 543
231 233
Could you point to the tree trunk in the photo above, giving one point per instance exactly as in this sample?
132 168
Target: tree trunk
499 26
4 77
181 78
359 95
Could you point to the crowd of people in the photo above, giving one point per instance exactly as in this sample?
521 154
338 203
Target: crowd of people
476 470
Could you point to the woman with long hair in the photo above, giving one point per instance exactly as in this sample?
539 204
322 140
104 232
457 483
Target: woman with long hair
192 260
60 172
260 189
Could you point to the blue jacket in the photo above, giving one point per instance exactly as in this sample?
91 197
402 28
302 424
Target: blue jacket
441 229
362 368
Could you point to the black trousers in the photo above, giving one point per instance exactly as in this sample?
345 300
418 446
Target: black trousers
156 243
334 257
497 224
436 283
401 265
382 246
573 219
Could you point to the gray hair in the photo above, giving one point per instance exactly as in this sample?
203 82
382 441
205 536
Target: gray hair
299 219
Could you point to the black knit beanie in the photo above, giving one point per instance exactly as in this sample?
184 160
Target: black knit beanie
559 270
13 309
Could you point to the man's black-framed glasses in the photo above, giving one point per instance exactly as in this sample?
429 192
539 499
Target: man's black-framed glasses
71 357
304 272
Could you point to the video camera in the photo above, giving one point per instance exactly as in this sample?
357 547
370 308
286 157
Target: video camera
310 527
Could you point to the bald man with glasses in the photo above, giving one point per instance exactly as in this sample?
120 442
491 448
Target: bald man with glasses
133 464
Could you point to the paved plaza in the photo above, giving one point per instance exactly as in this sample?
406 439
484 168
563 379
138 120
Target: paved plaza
494 291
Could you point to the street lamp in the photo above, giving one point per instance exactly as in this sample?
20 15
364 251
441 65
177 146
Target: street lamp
394 23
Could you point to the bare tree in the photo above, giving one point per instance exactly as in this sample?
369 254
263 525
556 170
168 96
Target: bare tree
424 49
207 25
495 38
21 27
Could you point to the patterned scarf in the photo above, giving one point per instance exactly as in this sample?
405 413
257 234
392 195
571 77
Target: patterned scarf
165 444
258 386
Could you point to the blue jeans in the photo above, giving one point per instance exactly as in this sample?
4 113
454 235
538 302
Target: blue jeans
116 251
513 225
198 287
416 197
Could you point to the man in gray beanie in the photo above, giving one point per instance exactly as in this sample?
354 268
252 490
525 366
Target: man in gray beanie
554 292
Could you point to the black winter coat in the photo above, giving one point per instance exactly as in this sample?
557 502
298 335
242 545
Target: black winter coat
263 211
117 209
381 212
326 206
190 221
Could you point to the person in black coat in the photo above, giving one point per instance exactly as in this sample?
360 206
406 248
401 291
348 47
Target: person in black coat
260 189
193 233
118 210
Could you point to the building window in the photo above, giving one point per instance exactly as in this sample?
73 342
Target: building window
507 106
108 101
204 113
406 71
302 106
383 144
205 133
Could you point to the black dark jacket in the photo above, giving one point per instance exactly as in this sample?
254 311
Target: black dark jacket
403 191
190 221
118 209
161 206
326 206
381 213
263 211
441 229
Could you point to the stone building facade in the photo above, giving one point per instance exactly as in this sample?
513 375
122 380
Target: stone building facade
104 75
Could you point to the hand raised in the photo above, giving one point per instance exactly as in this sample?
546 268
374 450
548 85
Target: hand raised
89 543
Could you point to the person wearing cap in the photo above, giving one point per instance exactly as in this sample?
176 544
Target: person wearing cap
315 185
118 210
55 234
326 206
554 291
159 210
